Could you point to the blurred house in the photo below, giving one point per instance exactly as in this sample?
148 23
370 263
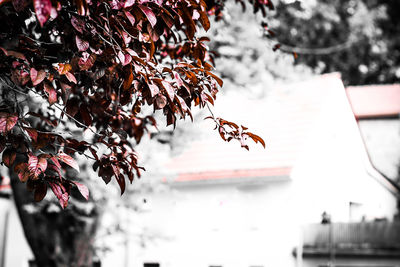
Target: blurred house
377 110
232 207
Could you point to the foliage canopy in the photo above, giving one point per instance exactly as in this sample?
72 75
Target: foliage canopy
77 68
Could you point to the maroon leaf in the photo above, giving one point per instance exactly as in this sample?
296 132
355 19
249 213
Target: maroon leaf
86 61
9 156
42 10
15 54
153 89
81 44
67 159
169 21
205 22
20 77
106 173
130 17
85 114
170 90
22 170
82 189
78 24
149 14
54 168
276 47
52 94
58 192
40 192
56 162
7 121
121 183
161 101
20 5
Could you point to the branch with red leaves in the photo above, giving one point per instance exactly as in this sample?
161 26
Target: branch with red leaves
80 65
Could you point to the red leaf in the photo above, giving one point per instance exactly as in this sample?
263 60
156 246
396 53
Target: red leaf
58 192
33 73
124 59
71 77
170 90
129 3
52 94
67 159
7 121
82 189
56 162
86 61
169 21
36 165
9 156
149 14
130 17
41 75
153 89
81 44
42 10
32 133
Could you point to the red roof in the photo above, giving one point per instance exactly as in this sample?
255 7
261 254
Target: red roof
284 118
5 184
231 174
373 101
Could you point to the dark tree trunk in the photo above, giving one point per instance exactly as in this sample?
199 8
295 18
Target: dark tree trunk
58 238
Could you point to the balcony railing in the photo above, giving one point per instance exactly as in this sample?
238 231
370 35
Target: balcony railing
370 239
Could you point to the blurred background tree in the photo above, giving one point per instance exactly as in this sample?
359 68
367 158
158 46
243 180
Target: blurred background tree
359 38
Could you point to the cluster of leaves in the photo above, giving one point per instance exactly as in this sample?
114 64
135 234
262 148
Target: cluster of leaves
94 65
229 130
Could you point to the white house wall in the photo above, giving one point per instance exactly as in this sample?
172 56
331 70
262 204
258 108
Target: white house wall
230 225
